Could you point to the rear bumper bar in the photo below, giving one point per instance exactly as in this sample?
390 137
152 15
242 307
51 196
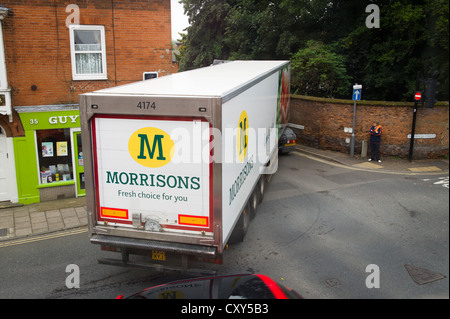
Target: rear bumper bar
134 243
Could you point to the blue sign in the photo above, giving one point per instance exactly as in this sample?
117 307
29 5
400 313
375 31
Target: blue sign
357 95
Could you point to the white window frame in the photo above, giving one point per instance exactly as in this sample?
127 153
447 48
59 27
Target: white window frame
98 76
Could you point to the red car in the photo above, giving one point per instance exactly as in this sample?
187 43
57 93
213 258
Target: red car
246 286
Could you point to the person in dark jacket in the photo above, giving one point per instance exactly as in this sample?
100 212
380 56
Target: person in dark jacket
375 139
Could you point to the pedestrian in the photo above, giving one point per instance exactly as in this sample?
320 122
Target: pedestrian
375 139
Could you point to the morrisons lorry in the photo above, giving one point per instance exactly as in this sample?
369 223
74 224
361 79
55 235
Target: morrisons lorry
176 166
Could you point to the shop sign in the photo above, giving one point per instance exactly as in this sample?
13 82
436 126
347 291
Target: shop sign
50 120
62 119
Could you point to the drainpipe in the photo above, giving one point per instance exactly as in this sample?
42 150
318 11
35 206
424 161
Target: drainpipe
4 87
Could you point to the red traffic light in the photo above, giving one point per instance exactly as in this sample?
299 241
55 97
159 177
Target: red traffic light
418 96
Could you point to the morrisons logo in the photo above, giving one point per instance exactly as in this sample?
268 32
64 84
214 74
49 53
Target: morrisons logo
240 179
145 146
151 147
151 180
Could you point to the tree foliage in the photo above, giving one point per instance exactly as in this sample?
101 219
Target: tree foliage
328 42
204 40
318 71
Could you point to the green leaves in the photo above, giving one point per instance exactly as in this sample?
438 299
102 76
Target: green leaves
318 71
205 37
413 36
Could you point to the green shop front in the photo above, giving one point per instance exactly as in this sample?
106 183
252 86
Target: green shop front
49 158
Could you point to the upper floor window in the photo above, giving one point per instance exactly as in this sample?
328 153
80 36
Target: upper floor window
88 51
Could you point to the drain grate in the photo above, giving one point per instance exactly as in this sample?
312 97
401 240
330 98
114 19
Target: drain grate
423 276
3 232
333 282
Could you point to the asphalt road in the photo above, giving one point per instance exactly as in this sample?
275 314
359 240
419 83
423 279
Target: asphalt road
317 230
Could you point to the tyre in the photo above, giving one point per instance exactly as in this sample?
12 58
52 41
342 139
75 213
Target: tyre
254 201
262 188
238 234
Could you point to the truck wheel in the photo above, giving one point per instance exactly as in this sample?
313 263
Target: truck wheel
238 234
254 201
261 187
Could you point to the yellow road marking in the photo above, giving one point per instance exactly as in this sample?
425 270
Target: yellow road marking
368 165
27 240
425 169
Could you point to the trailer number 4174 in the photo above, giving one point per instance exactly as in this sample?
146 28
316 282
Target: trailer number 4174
146 105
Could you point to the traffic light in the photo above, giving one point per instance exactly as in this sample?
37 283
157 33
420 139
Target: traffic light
430 95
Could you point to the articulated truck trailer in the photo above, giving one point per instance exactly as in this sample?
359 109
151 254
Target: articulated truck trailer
176 166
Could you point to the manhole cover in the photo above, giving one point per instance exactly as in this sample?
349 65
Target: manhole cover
423 276
333 282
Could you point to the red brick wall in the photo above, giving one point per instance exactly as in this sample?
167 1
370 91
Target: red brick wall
37 46
325 120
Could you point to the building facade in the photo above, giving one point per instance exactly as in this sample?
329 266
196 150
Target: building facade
52 51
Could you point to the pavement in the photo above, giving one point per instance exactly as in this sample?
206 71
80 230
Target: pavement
19 221
22 221
388 165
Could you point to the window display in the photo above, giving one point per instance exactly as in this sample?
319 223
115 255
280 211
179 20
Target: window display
54 153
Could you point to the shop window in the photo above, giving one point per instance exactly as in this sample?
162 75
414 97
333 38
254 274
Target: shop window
87 46
55 155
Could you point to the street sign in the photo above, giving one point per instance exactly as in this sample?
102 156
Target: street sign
357 89
418 96
357 95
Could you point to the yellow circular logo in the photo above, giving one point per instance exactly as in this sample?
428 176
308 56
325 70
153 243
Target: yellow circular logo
242 136
151 147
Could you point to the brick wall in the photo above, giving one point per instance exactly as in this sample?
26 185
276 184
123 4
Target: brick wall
37 46
326 121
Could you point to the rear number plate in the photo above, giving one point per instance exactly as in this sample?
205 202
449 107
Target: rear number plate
158 255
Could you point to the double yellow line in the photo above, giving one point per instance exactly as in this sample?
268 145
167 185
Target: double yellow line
32 239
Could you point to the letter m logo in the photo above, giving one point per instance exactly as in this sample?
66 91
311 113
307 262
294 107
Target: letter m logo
146 149
151 147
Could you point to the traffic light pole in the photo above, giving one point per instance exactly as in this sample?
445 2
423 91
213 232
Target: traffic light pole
411 145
